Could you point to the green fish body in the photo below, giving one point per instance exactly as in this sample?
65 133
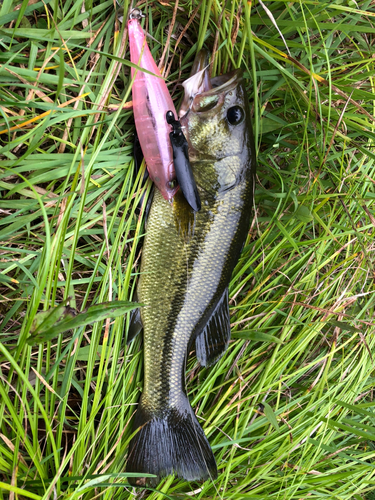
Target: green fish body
187 262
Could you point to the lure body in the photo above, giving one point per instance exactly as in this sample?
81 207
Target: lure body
151 101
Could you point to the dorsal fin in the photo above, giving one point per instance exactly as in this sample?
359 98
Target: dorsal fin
213 341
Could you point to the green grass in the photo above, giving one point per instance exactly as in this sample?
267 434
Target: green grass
289 410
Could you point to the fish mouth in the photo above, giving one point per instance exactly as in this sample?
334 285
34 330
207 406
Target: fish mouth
200 83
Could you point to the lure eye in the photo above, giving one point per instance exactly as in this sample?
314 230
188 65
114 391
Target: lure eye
235 115
172 184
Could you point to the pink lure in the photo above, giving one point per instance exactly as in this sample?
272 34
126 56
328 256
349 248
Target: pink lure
151 101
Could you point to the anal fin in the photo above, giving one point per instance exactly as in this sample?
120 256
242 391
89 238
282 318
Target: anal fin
213 341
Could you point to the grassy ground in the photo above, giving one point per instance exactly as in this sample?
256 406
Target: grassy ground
289 410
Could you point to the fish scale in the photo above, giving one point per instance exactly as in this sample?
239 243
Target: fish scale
187 261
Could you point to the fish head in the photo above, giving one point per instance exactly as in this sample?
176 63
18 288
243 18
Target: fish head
216 121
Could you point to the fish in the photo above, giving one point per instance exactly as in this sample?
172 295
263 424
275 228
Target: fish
187 261
164 149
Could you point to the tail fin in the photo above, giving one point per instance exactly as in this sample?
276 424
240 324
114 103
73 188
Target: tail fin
172 442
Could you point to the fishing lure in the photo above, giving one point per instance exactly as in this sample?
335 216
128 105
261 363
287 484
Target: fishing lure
165 151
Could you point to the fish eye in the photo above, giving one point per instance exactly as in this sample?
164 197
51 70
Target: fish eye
172 184
235 115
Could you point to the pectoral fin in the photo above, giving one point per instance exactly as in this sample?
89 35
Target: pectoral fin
213 341
135 326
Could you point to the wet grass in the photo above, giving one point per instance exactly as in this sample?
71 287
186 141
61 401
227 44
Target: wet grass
289 410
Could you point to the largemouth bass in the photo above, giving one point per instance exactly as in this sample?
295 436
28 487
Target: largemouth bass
187 262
